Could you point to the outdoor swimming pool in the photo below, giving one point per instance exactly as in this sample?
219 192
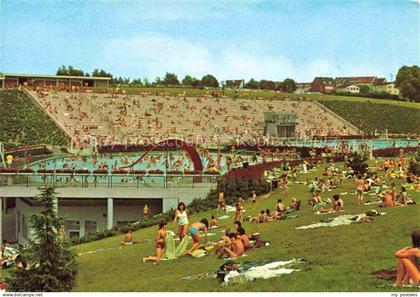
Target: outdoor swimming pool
179 161
374 143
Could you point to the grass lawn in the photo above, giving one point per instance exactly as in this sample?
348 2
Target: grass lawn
338 259
372 115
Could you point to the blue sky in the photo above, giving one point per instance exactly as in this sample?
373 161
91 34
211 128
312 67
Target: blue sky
231 39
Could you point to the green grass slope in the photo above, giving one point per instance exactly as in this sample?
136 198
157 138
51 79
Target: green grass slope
369 116
24 123
338 259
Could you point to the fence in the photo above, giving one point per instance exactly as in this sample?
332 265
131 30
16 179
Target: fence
85 180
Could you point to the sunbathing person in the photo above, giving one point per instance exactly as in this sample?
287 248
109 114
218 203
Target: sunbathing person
160 244
128 238
243 237
261 218
213 222
280 208
225 241
408 262
236 248
338 203
403 196
387 200
194 232
295 205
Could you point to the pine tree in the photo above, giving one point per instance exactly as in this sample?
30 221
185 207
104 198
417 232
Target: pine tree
51 265
357 161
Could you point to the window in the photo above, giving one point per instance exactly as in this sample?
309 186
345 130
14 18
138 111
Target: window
90 227
72 228
73 234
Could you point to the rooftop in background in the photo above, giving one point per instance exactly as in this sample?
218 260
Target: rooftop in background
235 83
360 80
52 76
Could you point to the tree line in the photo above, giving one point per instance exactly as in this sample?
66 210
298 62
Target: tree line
407 81
171 79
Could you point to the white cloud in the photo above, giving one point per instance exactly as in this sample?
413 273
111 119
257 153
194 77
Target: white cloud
151 55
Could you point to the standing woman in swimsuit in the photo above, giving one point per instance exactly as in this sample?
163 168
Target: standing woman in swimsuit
181 217
160 244
194 232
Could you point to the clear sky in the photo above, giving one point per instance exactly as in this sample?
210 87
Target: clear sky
231 39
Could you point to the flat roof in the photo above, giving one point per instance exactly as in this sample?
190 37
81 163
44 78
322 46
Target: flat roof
55 76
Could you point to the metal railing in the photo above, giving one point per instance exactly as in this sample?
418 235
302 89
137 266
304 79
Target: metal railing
89 180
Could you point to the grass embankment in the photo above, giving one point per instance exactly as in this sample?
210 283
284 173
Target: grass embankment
338 259
24 123
368 116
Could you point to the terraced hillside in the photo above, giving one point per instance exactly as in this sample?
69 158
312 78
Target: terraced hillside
24 123
369 116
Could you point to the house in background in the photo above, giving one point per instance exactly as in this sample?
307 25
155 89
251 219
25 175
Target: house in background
235 84
349 89
323 85
302 88
385 88
358 80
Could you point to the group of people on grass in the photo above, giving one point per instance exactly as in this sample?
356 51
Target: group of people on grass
235 242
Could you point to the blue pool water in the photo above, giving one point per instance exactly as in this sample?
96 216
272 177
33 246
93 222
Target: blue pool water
153 161
156 160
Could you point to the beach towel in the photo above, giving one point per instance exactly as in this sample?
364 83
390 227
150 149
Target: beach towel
173 251
182 247
169 246
200 276
250 271
337 221
224 217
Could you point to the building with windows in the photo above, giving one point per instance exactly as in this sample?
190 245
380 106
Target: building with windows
9 80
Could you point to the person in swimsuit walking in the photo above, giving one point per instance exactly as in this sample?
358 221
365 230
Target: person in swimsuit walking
360 187
221 201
